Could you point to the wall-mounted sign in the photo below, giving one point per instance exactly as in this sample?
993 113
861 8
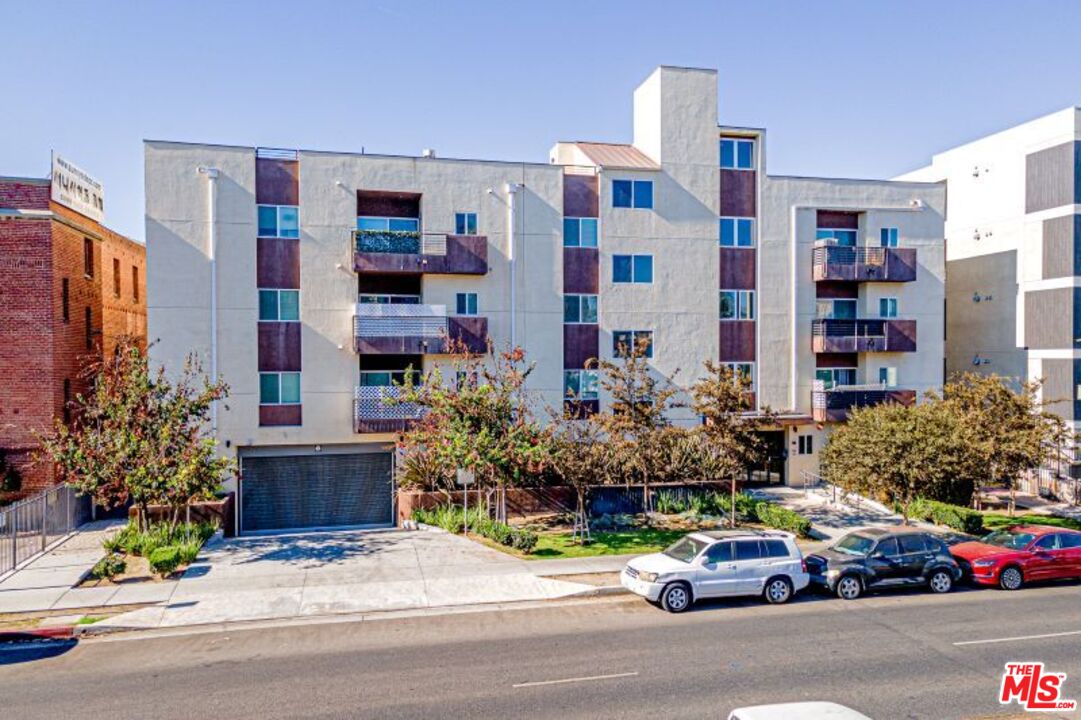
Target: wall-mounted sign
72 187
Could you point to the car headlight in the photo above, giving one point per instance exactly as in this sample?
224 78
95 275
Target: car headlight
833 573
647 576
983 563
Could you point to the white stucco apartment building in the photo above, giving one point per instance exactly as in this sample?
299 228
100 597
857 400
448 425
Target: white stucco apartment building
333 272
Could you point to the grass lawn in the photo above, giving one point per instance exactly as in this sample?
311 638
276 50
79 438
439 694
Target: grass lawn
992 521
644 540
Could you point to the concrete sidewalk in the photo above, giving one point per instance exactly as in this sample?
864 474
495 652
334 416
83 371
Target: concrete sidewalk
833 518
47 582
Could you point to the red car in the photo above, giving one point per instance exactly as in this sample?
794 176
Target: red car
1022 553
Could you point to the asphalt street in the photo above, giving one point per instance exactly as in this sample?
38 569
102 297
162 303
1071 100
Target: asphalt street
906 655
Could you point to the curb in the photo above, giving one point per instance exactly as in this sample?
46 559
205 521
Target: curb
602 591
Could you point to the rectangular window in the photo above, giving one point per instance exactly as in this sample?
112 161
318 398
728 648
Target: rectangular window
384 378
465 223
737 154
806 444
835 377
888 237
737 232
842 236
116 277
744 370
88 317
627 341
632 268
279 221
579 232
65 300
737 305
632 194
66 410
389 299
887 307
888 376
279 388
580 309
88 257
466 303
826 309
135 283
580 384
279 305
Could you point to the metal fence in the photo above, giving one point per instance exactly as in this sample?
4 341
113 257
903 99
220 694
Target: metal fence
31 526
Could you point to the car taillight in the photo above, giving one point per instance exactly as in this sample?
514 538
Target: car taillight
803 564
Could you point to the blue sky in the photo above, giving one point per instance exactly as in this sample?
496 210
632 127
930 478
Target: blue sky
858 89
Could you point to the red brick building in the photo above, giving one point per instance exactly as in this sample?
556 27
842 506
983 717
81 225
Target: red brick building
70 288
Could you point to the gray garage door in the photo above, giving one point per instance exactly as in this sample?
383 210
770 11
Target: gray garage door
303 491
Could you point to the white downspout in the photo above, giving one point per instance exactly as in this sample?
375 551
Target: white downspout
512 219
212 252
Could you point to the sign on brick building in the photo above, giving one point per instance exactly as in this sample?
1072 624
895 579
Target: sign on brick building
74 188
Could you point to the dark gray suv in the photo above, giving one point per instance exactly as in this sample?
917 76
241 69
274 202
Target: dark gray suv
880 558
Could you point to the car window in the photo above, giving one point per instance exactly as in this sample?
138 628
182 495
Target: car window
1007 539
853 544
685 549
1048 542
935 544
912 544
775 548
721 552
1070 540
748 550
887 546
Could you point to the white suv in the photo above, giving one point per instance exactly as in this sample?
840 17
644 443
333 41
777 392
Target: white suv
719 564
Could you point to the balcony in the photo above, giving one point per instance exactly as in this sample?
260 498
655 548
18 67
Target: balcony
833 405
383 251
416 330
864 335
863 264
372 413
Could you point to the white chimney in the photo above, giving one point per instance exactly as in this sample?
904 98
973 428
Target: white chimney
427 152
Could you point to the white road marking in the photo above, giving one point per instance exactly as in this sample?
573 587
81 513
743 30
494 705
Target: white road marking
1019 637
587 678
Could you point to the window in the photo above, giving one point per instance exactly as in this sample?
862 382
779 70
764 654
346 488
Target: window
88 317
744 370
887 547
774 548
135 283
737 154
88 257
1070 540
466 303
65 300
279 305
279 221
627 341
465 223
1047 542
719 553
887 307
391 224
834 377
835 309
579 232
912 544
805 444
737 304
747 550
888 237
116 277
389 299
279 388
383 378
580 384
737 232
632 268
632 193
888 376
580 309
842 236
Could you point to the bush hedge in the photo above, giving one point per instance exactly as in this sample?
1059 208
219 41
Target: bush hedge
959 518
108 567
451 519
781 518
164 560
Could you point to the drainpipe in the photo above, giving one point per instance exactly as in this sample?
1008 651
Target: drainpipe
512 219
211 252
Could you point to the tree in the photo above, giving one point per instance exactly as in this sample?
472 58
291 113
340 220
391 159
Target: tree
139 436
636 422
730 430
581 459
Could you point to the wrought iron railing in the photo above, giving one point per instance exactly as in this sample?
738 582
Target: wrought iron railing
29 527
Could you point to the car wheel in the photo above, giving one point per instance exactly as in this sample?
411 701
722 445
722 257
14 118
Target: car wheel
778 590
1011 578
849 587
940 581
676 597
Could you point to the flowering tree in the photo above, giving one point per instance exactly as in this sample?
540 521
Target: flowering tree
139 436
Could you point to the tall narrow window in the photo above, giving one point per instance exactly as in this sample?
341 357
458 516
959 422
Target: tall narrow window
135 283
88 257
65 411
88 316
116 277
65 300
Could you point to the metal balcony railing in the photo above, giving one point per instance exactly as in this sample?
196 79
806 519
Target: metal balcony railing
864 263
834 403
384 320
375 411
863 335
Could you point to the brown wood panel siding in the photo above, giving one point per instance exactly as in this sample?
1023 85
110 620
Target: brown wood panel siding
378 203
399 345
1049 319
277 182
838 220
837 360
737 268
834 405
739 194
466 255
471 330
1061 250
581 271
277 263
270 415
901 335
843 290
737 341
581 343
1051 177
580 196
279 347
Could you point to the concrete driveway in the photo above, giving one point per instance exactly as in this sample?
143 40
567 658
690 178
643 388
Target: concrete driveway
319 573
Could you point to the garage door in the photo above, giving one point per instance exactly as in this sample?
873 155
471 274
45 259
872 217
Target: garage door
304 491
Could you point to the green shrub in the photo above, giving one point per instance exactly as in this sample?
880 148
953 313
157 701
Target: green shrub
132 542
524 540
164 560
451 519
189 551
775 516
108 567
668 502
959 518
